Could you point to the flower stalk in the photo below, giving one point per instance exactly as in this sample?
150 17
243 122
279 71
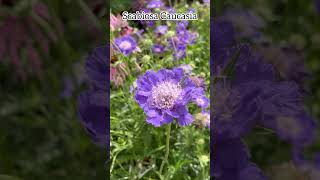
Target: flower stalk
165 160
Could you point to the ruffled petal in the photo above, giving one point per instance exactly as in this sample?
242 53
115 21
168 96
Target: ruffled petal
185 120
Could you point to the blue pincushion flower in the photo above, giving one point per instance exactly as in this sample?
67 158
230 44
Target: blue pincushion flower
126 44
158 49
180 52
200 99
162 29
171 10
155 4
164 95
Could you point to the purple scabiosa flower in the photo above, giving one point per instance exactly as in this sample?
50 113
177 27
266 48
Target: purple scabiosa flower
97 67
181 27
184 36
93 105
193 37
200 99
283 112
147 23
155 4
164 95
93 113
288 62
223 47
161 30
180 52
158 49
126 44
171 10
236 110
191 10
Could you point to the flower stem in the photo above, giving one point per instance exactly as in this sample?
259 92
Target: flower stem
165 160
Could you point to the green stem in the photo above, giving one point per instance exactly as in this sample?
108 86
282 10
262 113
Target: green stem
165 160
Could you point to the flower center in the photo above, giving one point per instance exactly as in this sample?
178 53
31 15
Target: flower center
125 45
200 101
165 94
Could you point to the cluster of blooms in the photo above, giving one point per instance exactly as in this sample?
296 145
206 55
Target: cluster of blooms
164 95
251 89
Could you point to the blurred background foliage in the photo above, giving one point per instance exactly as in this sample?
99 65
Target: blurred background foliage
294 23
42 49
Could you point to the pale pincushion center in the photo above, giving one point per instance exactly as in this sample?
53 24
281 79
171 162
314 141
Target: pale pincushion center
165 94
125 45
200 101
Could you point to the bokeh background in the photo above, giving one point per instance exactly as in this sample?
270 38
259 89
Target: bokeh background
43 45
292 27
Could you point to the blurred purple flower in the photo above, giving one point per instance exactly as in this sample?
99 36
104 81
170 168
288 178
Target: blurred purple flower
126 44
288 62
224 45
93 113
200 99
97 68
231 161
147 23
155 4
161 30
283 111
93 104
171 10
180 52
164 95
191 10
158 49
236 110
